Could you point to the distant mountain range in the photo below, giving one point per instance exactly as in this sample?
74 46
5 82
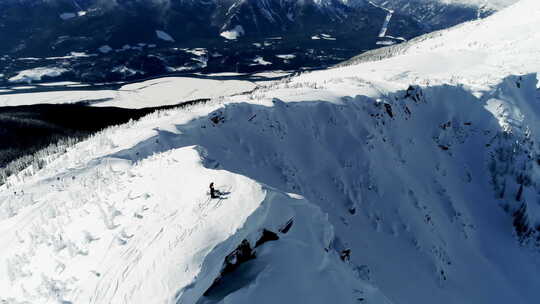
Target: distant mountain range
102 40
37 28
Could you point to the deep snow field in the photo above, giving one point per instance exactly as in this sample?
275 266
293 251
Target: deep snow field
410 179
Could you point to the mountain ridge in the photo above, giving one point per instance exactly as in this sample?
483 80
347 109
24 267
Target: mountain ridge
414 178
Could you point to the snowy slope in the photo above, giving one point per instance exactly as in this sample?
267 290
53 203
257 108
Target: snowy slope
478 53
112 236
425 165
491 4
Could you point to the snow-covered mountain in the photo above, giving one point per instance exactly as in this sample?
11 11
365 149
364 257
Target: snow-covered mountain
106 41
84 26
410 179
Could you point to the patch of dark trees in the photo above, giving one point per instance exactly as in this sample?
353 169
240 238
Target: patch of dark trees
25 130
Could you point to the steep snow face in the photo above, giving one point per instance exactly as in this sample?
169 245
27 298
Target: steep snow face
406 181
401 180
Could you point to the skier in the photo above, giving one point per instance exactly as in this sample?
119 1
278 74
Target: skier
213 192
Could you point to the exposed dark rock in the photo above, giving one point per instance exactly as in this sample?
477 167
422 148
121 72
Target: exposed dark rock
414 93
519 193
287 226
266 236
388 109
217 118
446 125
345 255
240 255
521 223
443 147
